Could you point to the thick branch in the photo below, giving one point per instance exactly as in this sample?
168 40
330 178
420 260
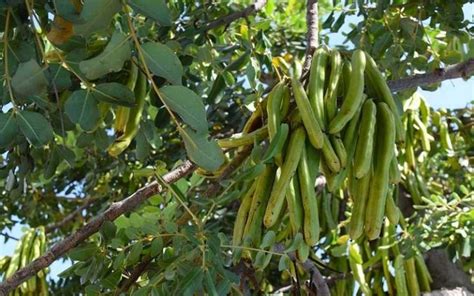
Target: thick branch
461 70
312 34
225 20
112 213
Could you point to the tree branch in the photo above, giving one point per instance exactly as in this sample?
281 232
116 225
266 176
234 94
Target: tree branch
461 70
312 34
316 277
134 275
112 213
71 216
7 236
226 20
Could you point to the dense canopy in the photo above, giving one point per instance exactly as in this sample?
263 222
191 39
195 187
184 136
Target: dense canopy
223 147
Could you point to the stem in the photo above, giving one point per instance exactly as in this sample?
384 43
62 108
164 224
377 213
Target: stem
5 57
312 34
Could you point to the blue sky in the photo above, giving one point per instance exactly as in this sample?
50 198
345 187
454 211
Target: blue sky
455 93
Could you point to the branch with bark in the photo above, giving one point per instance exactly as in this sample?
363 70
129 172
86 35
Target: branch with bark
317 278
464 70
461 70
312 22
228 19
112 213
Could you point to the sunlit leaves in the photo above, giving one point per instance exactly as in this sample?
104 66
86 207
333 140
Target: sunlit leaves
188 106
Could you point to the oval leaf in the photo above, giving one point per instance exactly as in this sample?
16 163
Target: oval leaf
84 252
35 127
187 104
96 15
8 129
114 93
29 79
155 9
163 62
81 108
206 154
111 59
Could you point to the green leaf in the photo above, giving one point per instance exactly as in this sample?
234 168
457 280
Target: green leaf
142 148
239 62
205 153
60 78
35 127
209 283
268 239
135 253
113 57
262 260
81 108
84 252
111 281
155 9
8 129
108 230
187 104
163 62
191 280
156 247
29 79
92 290
284 263
118 261
114 93
143 291
97 15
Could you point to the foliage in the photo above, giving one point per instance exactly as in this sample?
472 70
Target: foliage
67 68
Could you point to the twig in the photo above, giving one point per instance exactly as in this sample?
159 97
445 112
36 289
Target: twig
225 20
134 275
317 278
461 70
9 236
71 216
311 35
113 212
